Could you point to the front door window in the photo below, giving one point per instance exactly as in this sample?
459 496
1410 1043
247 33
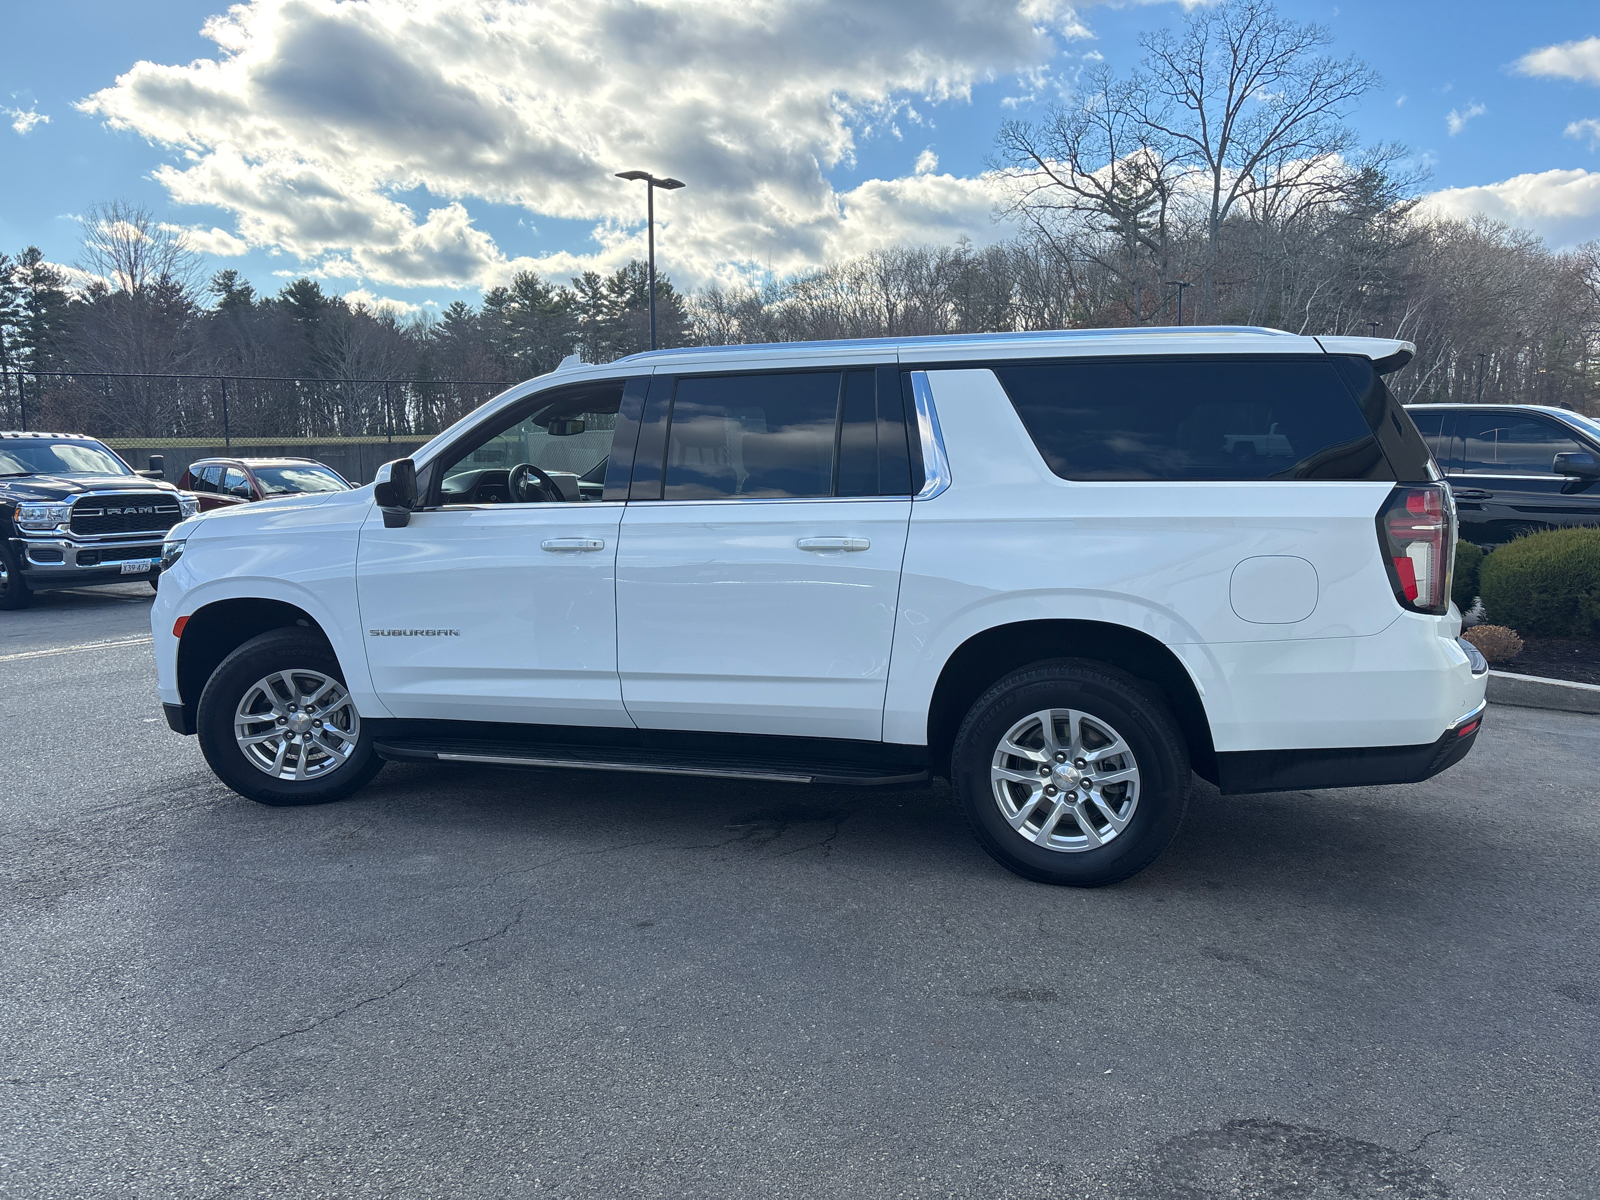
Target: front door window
1512 443
553 451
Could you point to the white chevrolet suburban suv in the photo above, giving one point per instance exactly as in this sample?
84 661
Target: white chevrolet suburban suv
1063 570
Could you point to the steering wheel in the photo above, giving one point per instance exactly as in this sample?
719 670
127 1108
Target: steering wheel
520 486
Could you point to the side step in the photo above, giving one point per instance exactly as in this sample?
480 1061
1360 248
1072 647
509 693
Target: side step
648 762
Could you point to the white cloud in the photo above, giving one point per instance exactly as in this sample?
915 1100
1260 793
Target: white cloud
24 121
1562 206
315 115
927 162
365 299
1457 120
1588 128
1400 100
211 241
1569 60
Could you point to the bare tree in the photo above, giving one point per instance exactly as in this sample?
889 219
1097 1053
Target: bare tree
127 248
1094 169
1247 101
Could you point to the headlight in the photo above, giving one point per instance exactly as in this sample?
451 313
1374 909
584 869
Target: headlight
42 516
188 504
171 551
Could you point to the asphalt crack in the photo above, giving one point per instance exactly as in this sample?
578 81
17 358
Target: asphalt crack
318 1022
1445 1128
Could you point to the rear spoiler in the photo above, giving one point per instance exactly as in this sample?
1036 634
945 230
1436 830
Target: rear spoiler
1387 354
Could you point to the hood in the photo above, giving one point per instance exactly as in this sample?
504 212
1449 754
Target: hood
241 516
44 488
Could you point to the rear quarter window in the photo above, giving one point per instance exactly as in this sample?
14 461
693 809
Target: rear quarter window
1211 418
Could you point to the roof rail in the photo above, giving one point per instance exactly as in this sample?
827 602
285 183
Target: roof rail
938 339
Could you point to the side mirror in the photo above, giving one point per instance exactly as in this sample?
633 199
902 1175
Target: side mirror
1576 464
566 426
395 490
157 469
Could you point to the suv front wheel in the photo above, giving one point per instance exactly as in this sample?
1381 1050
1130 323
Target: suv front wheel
1070 772
14 592
277 723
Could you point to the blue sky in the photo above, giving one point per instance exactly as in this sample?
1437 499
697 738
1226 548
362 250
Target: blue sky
414 151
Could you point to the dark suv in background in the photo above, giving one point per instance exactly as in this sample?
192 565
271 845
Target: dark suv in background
1514 468
72 513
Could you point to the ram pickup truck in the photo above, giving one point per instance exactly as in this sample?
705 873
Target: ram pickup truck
73 514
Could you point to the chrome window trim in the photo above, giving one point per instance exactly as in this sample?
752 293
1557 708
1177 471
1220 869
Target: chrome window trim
1487 475
935 463
584 505
771 500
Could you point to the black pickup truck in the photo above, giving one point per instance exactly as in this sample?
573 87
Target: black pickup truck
72 514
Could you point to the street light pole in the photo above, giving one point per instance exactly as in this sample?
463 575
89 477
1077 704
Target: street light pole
1373 325
1180 285
651 183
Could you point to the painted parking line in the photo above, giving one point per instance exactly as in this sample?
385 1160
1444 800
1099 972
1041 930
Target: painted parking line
79 648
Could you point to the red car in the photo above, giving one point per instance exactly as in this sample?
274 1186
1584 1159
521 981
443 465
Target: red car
219 482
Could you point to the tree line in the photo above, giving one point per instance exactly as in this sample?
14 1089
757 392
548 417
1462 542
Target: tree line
1225 163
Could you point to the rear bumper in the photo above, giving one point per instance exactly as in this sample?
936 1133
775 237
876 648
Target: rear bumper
1242 771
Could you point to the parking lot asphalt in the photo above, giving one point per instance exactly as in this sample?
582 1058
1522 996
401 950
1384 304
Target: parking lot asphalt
469 982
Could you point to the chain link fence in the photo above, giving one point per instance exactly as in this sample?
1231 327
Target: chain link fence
215 408
352 424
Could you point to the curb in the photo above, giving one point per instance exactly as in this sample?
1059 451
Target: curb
1535 691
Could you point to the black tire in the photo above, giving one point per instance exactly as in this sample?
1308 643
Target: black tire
155 583
295 649
1124 705
14 593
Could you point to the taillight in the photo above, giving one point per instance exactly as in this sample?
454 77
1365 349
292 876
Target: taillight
1417 534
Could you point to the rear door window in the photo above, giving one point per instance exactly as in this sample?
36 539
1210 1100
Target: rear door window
766 435
1194 419
1430 423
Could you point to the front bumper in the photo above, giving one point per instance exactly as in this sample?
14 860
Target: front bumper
59 562
1363 766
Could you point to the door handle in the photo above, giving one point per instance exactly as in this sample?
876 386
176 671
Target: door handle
834 543
1471 494
571 545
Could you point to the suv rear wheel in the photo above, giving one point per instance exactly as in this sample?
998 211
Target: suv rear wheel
277 723
1070 772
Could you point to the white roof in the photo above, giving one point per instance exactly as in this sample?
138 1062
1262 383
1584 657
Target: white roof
1187 339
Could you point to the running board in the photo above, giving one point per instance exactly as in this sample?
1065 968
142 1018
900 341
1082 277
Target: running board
577 758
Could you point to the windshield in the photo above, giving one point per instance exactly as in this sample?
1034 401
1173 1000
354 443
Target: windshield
303 477
41 456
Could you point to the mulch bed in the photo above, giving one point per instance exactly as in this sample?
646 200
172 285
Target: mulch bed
1577 659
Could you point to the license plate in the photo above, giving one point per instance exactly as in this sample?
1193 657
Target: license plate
139 566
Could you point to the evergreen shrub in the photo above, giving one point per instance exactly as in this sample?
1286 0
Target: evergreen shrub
1464 590
1546 584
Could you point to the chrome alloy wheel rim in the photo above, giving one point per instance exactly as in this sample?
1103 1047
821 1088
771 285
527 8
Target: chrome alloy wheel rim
1065 780
296 725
